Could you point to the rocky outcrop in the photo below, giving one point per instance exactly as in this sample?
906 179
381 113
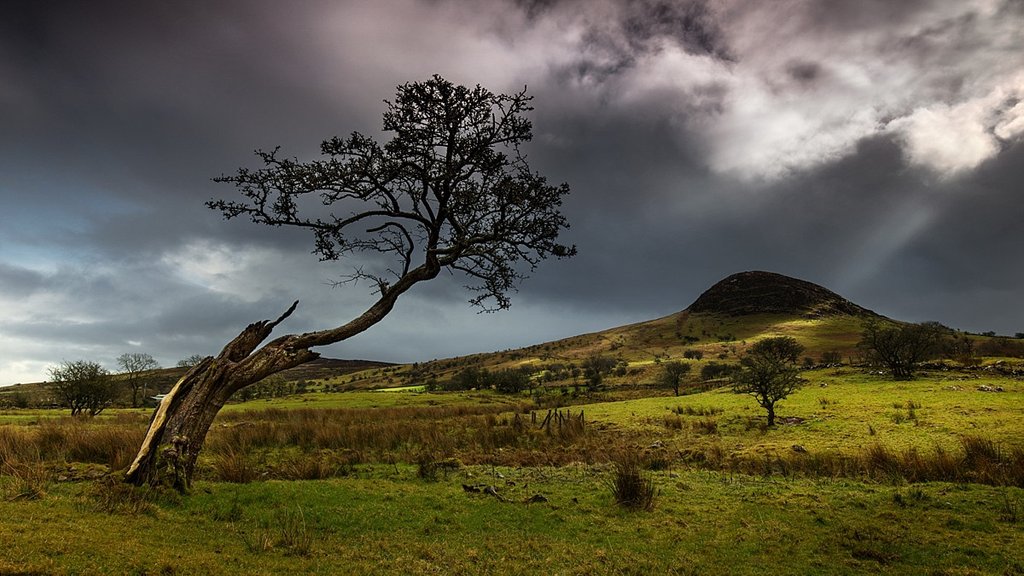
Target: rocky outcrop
769 293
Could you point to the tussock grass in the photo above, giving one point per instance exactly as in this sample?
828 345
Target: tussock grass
29 480
630 485
112 496
289 533
697 410
389 522
235 466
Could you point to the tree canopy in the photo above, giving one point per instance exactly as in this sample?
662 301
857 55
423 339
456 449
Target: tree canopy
900 347
450 189
769 372
673 373
83 386
133 365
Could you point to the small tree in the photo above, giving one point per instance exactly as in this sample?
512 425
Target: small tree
594 369
715 370
961 348
899 347
672 374
83 386
769 372
468 378
831 358
191 361
133 364
510 380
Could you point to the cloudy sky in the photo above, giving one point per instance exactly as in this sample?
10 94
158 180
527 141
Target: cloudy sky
871 146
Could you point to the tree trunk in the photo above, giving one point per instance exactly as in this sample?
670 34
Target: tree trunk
179 425
771 415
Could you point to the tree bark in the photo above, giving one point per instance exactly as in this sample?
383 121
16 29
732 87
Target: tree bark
179 425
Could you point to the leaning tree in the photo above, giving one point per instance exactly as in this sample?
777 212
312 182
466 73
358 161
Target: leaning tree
450 190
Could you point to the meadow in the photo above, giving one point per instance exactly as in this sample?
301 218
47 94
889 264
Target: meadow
862 475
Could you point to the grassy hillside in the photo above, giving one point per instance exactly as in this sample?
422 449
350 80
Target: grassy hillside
638 348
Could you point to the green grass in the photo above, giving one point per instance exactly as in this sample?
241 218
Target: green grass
385 521
842 410
403 389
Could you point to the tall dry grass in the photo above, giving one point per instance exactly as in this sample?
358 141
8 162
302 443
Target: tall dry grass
477 434
978 460
112 442
324 443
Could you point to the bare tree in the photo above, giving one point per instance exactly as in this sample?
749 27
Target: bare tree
900 347
191 361
672 374
133 364
449 191
769 372
83 386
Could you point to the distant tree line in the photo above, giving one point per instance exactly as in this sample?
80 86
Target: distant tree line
508 380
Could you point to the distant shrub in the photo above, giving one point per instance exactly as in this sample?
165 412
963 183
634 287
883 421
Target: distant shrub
468 378
595 367
714 370
509 381
693 354
697 410
426 466
831 357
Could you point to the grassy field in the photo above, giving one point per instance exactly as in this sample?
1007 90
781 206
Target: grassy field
839 409
867 475
385 520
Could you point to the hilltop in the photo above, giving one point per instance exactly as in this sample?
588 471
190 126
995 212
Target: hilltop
756 292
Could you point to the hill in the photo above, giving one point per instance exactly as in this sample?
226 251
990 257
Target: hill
717 327
749 293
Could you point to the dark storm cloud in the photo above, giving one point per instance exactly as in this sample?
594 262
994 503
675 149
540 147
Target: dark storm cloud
803 71
873 147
